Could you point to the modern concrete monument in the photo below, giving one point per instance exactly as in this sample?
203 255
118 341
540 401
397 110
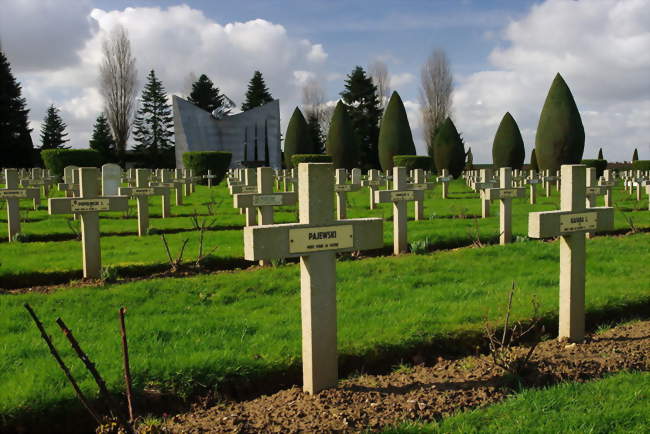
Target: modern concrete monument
247 135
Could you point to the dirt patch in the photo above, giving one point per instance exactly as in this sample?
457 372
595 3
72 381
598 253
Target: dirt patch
422 392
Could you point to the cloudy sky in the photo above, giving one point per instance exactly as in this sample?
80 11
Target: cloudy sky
504 55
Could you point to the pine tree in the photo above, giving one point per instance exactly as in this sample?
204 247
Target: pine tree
16 147
53 135
102 139
600 154
258 94
153 125
360 95
207 96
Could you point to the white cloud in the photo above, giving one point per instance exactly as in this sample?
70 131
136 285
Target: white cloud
175 42
600 48
398 80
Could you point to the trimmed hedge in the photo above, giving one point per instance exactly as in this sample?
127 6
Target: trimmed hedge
641 165
56 159
412 162
309 158
201 162
600 166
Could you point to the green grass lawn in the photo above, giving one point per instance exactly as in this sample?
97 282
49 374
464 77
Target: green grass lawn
123 250
617 404
246 324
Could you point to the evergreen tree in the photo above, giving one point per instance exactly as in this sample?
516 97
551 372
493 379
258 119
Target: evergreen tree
257 94
16 147
600 154
448 149
469 160
316 133
635 155
153 125
364 107
533 161
395 137
508 145
297 139
102 140
53 135
207 96
342 144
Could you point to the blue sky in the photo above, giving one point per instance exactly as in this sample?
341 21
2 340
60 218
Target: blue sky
503 54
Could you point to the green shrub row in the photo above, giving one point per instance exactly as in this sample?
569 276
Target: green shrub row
201 162
641 165
310 158
412 162
56 159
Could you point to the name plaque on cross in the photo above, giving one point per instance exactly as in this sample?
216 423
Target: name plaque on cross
402 195
578 222
144 191
595 190
249 188
323 238
419 186
81 205
343 187
5 194
267 200
534 181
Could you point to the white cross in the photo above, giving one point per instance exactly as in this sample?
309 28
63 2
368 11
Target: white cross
341 188
373 182
141 193
12 194
420 183
444 178
316 240
504 193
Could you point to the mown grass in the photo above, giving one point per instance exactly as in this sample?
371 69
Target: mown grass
123 250
619 403
200 330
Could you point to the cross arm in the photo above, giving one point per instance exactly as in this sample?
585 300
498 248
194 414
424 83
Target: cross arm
69 205
295 239
548 224
236 189
503 193
247 200
421 186
20 193
398 195
346 187
142 191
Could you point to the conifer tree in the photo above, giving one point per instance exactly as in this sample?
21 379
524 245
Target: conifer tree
207 96
600 154
153 125
508 145
395 137
16 147
533 161
297 139
342 143
469 160
53 135
448 149
364 108
102 140
316 133
257 94
635 155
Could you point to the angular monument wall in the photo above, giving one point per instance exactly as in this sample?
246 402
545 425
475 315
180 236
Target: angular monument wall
196 130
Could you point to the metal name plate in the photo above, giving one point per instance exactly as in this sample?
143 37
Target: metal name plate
342 187
534 181
507 193
320 239
142 191
249 188
578 222
419 186
397 196
78 205
373 183
8 194
267 200
594 190
608 183
444 179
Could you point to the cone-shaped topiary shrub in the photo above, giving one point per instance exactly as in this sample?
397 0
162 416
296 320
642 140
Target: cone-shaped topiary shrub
297 139
395 136
508 146
635 155
533 161
341 142
448 150
560 137
600 154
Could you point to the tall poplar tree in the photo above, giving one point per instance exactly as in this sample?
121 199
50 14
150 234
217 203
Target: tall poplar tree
153 125
364 107
257 94
53 135
16 147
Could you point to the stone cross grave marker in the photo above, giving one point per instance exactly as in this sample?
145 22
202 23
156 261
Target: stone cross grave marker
181 184
484 183
88 205
399 195
548 179
70 182
608 182
141 193
639 181
533 180
249 185
373 182
444 179
111 179
341 188
12 195
420 183
36 180
209 177
570 224
504 193
315 239
166 180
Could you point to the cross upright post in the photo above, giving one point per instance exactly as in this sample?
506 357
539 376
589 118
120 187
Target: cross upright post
444 179
248 186
341 188
88 205
316 240
505 193
141 193
608 182
166 180
373 182
533 180
179 181
12 195
420 183
570 224
399 195
209 177
485 182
